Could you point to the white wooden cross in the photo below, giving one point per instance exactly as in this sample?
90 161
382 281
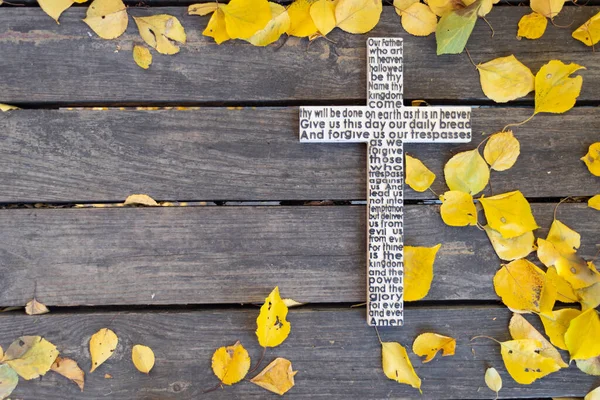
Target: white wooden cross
385 124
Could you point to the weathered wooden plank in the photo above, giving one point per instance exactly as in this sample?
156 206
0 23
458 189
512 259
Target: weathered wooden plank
46 63
335 353
234 254
254 154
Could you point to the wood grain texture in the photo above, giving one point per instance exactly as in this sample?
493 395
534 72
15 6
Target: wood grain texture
199 255
254 154
336 355
68 64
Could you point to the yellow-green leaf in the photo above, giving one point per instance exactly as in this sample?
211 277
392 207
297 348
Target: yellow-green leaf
419 20
158 31
454 29
397 365
458 209
519 284
418 271
467 172
231 364
532 26
108 18
556 325
505 78
502 150
428 345
555 91
102 346
513 248
243 18
582 336
357 16
520 328
592 159
418 176
277 377
589 32
143 358
142 56
322 13
594 202
272 327
8 381
509 213
524 362
493 380
31 356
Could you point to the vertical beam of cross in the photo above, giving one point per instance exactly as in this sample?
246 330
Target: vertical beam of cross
385 124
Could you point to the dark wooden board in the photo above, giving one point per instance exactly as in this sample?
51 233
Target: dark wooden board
44 63
335 353
200 255
254 154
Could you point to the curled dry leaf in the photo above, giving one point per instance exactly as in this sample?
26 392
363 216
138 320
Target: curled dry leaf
322 13
467 172
520 328
555 91
276 27
547 8
454 29
158 31
6 107
34 307
493 380
592 159
591 366
70 370
8 381
143 358
231 364
358 16
582 336
31 356
458 209
142 56
513 248
594 202
102 345
524 362
556 325
509 213
108 18
301 22
419 20
418 271
272 328
397 365
589 32
502 150
428 345
519 284
55 8
532 26
277 377
418 176
505 78
140 200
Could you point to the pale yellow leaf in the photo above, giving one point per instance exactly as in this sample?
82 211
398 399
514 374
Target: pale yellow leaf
513 248
142 56
357 16
272 326
589 32
202 8
519 284
140 200
55 8
555 91
301 22
277 26
589 297
591 366
419 20
418 176
520 328
34 307
493 380
594 202
8 381
524 362
6 107
575 270
458 209
582 336
102 346
532 26
243 18
467 172
505 78
548 8
485 8
108 18
418 271
277 377
402 5
502 150
292 303
397 365
592 159
143 358
556 325
428 345
593 395
231 364
31 356
441 7
70 370
216 28
322 13
159 32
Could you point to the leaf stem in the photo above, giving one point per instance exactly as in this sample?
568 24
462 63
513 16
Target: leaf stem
262 357
378 337
490 25
519 123
559 203
212 389
485 337
470 59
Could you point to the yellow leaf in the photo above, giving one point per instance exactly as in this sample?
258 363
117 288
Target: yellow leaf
272 327
8 381
216 28
402 5
322 13
397 366
532 26
301 22
276 27
589 32
593 395
582 336
140 200
505 78
509 213
556 325
520 285
565 292
143 358
594 202
357 16
156 31
418 176
6 107
571 267
31 356
520 328
555 91
55 8
292 303
523 361
549 292
108 18
441 7
202 8
102 345
418 271
428 344
485 8
493 380
107 376
142 56
564 239
502 150
591 366
419 20
548 8
34 307
467 172
231 364
70 370
592 159
589 297
511 249
243 18
277 377
458 209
